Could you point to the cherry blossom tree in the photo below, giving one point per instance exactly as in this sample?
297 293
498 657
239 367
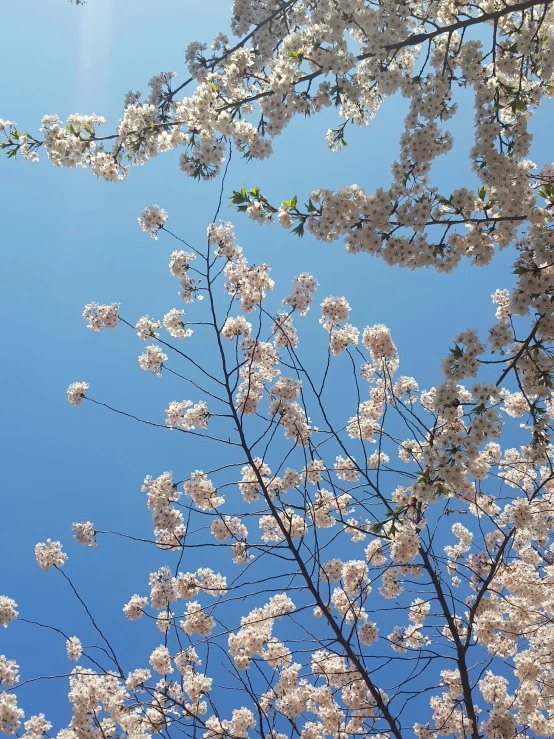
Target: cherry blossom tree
406 505
386 566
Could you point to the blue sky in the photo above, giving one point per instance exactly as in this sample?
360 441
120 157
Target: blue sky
70 239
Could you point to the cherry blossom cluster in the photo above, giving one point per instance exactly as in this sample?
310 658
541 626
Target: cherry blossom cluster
152 219
187 415
49 555
76 392
168 521
99 317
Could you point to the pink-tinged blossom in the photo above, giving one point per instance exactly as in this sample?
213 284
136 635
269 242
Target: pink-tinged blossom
202 491
152 219
187 415
368 633
152 360
99 317
333 312
137 678
175 326
84 533
301 298
147 328
161 660
197 621
234 327
76 392
134 609
377 340
10 714
49 555
7 610
36 726
9 672
74 648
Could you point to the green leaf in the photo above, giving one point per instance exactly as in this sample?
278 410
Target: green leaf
457 352
547 192
239 197
376 527
482 192
479 409
299 230
518 105
292 203
424 476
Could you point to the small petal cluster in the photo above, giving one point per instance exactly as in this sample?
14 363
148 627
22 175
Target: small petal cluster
9 672
301 298
134 609
168 521
146 328
152 219
174 325
179 266
187 415
10 714
197 621
74 648
161 660
152 360
333 312
256 631
76 392
202 491
7 611
84 533
234 327
377 340
99 317
49 555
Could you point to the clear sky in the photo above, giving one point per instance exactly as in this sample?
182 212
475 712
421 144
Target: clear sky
69 239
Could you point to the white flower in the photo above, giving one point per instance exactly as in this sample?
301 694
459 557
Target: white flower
152 219
74 648
49 555
76 392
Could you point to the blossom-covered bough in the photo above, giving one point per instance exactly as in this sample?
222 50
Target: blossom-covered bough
297 57
385 563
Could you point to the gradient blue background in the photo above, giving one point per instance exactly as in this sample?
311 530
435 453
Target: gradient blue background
68 239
